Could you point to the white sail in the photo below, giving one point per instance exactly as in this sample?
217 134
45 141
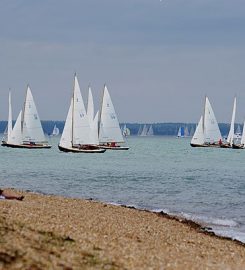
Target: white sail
198 137
9 118
94 130
90 106
55 131
66 137
186 132
150 131
109 129
16 134
139 131
144 131
232 127
32 128
211 129
81 127
125 131
179 132
243 134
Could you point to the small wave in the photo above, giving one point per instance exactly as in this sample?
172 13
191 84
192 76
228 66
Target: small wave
211 220
166 211
236 235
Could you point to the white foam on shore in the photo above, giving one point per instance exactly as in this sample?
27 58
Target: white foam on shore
221 227
211 220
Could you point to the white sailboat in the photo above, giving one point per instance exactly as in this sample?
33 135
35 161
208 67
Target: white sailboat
110 134
76 136
230 137
242 143
55 131
180 132
144 131
125 131
27 131
150 131
207 133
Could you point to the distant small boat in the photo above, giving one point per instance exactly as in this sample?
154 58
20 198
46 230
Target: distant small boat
144 131
181 132
110 134
125 131
186 132
76 136
27 131
147 131
55 131
207 132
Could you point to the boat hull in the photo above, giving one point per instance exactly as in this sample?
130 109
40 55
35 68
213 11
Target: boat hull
237 146
225 146
205 145
114 147
77 150
26 146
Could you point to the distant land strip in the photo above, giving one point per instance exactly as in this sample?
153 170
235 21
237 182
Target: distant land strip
163 129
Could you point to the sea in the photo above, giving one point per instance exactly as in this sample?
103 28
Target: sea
157 173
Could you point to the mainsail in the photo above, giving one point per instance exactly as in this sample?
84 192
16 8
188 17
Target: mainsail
232 127
210 125
32 128
109 129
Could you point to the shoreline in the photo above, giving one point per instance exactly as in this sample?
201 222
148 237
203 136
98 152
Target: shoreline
195 224
121 237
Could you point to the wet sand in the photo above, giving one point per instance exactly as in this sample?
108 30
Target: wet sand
52 232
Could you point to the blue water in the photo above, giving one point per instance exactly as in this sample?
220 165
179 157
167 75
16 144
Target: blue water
157 173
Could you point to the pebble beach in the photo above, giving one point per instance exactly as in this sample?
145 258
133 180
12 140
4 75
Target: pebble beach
52 232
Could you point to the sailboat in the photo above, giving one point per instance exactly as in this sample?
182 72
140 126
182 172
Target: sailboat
55 131
27 131
76 136
180 132
207 132
242 144
110 134
125 131
150 131
144 131
186 132
230 138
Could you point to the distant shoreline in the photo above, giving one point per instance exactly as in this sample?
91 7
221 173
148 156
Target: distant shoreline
163 129
87 233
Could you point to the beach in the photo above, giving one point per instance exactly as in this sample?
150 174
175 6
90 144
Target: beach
53 232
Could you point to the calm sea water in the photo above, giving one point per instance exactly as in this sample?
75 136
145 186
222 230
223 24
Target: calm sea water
157 173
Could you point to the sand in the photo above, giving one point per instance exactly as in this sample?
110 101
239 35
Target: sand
51 232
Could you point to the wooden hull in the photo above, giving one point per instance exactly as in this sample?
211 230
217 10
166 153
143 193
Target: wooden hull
237 146
225 146
77 150
205 145
114 147
26 146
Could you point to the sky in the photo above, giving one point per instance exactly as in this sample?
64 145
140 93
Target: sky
158 58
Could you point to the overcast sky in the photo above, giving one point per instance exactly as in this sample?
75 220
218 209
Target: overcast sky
158 58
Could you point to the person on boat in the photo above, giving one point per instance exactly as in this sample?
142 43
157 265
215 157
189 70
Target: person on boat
4 195
220 142
113 144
